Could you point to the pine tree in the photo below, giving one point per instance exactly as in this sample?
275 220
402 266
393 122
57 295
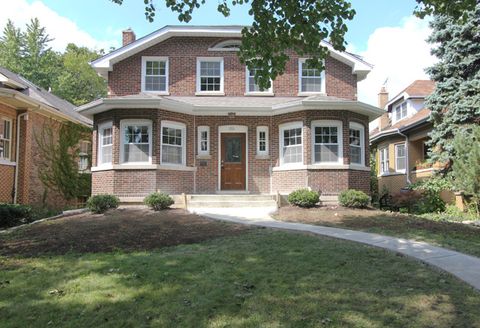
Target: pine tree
11 47
456 99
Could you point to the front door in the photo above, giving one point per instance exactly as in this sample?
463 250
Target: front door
233 161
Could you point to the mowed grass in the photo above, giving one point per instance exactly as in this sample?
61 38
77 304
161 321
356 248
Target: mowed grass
260 278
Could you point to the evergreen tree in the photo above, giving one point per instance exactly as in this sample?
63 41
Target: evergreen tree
456 99
11 47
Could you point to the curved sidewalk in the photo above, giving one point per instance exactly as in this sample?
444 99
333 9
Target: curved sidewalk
464 267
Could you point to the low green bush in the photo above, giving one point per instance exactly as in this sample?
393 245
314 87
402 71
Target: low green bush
158 201
353 198
102 203
14 214
418 201
304 198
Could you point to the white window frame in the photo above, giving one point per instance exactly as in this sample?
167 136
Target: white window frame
82 155
281 129
358 126
397 157
101 127
259 130
222 78
200 130
269 91
399 109
221 45
302 61
174 125
144 73
328 123
384 157
124 123
8 159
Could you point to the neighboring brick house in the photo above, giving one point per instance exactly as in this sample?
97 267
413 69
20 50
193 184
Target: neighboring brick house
400 140
185 116
25 109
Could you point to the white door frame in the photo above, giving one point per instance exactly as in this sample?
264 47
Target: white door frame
231 129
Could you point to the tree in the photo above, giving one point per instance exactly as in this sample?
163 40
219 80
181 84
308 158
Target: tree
78 82
457 9
456 99
11 47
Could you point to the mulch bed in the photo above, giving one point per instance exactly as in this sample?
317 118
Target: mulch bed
127 229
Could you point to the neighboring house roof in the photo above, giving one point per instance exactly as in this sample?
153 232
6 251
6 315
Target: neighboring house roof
11 83
105 63
418 89
242 106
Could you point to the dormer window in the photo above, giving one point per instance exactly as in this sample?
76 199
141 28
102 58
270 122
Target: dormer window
155 74
401 111
311 80
228 45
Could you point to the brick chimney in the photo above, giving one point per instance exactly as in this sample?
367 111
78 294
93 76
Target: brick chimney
382 102
128 36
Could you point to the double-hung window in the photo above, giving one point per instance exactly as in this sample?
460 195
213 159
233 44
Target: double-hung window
203 140
357 147
262 140
327 142
252 86
84 155
291 143
401 111
155 74
384 160
400 158
173 141
105 142
5 139
136 141
311 79
210 75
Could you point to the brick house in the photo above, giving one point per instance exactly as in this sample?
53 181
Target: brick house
25 110
185 116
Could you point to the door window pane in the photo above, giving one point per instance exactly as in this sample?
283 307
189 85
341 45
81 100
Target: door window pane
233 149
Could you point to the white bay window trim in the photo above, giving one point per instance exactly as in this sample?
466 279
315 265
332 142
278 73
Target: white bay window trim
177 126
198 82
267 92
339 144
146 59
203 140
282 129
262 140
400 160
6 140
102 147
361 128
301 92
135 122
384 161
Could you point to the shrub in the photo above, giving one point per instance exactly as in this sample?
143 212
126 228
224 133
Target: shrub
304 198
102 203
14 214
418 202
353 198
158 201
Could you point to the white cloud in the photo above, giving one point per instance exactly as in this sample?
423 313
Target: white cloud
62 29
400 54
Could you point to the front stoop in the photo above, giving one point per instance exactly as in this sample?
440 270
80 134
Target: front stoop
230 201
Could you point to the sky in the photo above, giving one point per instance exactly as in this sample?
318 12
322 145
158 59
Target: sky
384 32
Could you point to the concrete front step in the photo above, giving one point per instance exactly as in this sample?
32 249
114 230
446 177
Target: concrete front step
243 198
233 204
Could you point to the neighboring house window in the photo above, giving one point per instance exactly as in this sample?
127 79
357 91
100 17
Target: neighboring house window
291 143
311 80
210 74
173 143
357 147
252 86
400 158
136 141
327 142
262 140
5 138
84 156
203 140
426 150
105 142
155 74
401 111
384 162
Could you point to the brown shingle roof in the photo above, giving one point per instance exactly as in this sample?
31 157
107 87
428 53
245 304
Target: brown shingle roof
419 88
421 115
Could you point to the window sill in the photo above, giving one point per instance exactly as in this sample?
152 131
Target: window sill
157 93
390 174
7 163
305 94
331 166
260 156
259 94
209 93
204 156
143 167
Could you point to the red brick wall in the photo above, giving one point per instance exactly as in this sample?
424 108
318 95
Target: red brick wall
7 171
125 79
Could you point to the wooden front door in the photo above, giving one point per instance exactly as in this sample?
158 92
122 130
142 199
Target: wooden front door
233 161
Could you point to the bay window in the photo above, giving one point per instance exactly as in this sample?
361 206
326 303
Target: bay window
384 161
173 143
5 139
291 143
400 158
327 142
357 147
136 141
105 143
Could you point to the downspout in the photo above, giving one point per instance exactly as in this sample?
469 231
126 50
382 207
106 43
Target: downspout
407 168
17 157
195 154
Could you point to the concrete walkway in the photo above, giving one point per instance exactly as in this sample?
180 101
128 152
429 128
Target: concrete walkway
464 267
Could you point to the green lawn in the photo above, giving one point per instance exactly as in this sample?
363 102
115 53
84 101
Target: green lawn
257 279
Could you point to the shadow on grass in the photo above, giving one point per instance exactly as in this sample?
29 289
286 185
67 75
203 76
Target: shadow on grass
261 278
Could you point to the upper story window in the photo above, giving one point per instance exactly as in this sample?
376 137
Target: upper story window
173 143
136 141
105 143
5 139
228 45
357 147
384 160
327 142
401 111
252 86
262 140
203 140
155 74
209 75
311 80
400 158
291 143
